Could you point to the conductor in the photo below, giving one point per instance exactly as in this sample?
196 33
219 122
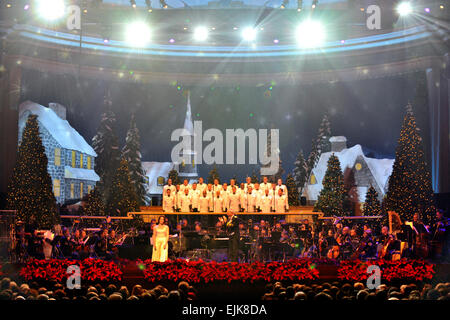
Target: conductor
232 227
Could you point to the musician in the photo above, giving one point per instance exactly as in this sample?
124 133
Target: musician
169 201
439 240
266 202
200 231
160 239
354 239
101 245
345 242
385 243
367 245
420 238
65 244
34 246
232 227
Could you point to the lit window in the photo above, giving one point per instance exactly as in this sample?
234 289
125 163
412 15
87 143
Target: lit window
89 189
57 187
160 181
57 156
358 166
89 162
312 180
81 190
74 155
81 160
72 191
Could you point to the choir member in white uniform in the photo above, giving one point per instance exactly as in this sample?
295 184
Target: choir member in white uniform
234 201
266 202
249 200
185 185
224 195
169 186
178 195
216 186
185 201
242 189
169 201
219 204
210 193
232 184
248 183
195 196
281 202
204 202
280 185
201 185
265 185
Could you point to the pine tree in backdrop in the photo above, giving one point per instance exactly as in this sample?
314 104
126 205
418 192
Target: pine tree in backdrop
372 206
213 174
331 197
293 194
30 188
93 204
173 174
106 145
131 152
254 177
299 172
320 144
122 197
410 189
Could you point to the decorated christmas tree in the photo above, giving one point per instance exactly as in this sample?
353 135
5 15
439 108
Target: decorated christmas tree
173 174
292 191
105 144
213 174
331 197
320 144
122 197
372 207
132 154
254 177
30 188
93 204
410 188
299 172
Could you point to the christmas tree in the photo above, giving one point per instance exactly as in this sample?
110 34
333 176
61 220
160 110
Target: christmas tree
320 144
173 174
122 197
410 188
331 197
30 188
105 144
131 152
254 177
292 191
213 174
93 204
299 173
372 206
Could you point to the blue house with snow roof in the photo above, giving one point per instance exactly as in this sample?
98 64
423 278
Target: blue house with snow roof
70 158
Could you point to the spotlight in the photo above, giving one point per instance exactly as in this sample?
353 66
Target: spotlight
8 5
138 34
299 5
284 4
51 9
404 9
148 3
314 4
133 3
201 33
310 34
249 34
163 4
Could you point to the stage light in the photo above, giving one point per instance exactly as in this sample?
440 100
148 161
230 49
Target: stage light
163 4
51 9
201 33
404 9
299 5
314 4
8 5
249 34
133 3
427 10
148 3
310 34
284 4
441 7
138 34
